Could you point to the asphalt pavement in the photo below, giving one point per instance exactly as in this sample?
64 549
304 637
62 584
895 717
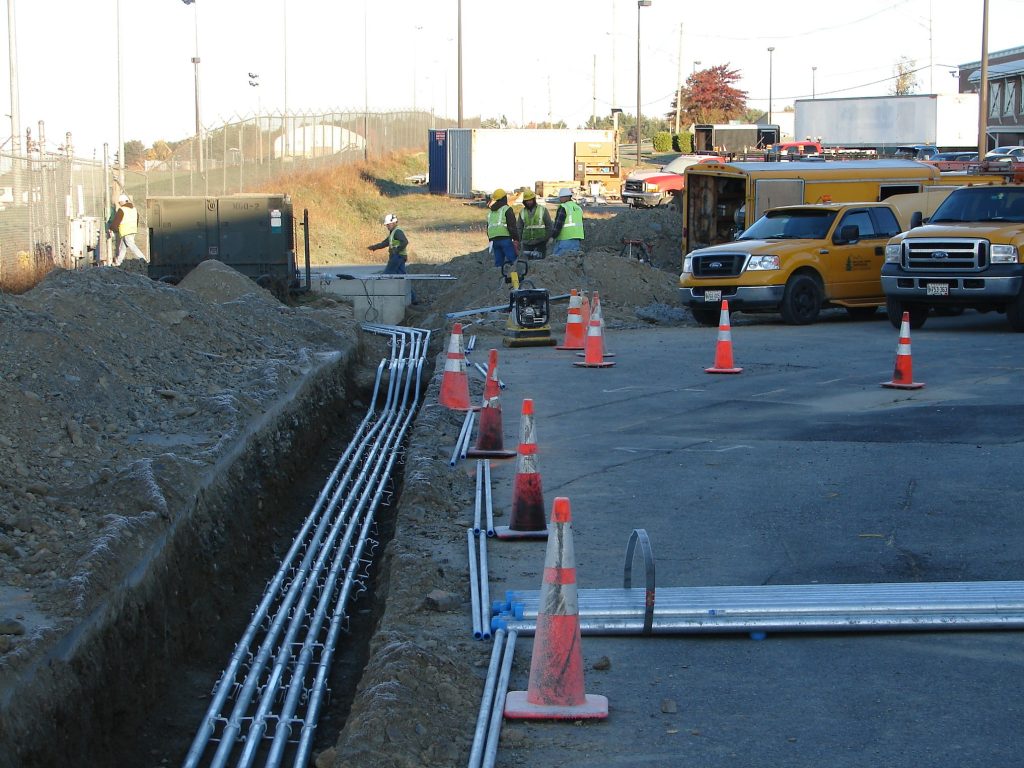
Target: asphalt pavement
801 469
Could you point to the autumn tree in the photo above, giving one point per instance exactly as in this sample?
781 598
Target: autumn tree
710 96
905 81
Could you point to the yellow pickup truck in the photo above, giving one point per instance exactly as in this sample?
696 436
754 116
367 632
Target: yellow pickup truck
795 260
969 255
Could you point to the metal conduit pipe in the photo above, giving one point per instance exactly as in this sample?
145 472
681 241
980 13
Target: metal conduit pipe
388 431
474 586
486 701
299 594
469 435
225 685
485 591
478 499
457 451
498 710
488 499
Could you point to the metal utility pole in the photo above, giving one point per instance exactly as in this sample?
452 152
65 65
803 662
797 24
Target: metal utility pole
593 96
639 4
195 63
983 86
12 48
771 50
120 104
814 71
460 63
679 76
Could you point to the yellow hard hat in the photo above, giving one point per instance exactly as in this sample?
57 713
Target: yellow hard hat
528 194
498 194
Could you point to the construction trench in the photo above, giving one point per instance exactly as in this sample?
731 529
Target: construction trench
140 668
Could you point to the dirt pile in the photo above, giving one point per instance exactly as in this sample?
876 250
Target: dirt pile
115 393
633 292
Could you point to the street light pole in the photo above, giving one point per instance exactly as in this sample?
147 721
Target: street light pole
460 63
771 49
195 64
695 65
120 102
813 90
254 81
983 86
639 4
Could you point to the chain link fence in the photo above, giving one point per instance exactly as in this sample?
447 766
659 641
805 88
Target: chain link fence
54 207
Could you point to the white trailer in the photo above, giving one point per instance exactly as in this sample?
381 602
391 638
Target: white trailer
481 160
948 121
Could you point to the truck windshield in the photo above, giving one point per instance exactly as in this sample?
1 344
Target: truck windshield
790 225
981 204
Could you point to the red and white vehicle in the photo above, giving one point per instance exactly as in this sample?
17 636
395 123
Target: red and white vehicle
651 188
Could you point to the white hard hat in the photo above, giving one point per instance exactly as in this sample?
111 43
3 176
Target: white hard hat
565 192
122 199
390 218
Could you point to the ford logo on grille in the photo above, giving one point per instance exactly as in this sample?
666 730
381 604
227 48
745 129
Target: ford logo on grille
715 265
940 255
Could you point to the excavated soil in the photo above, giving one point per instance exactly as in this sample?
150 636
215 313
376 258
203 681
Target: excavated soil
144 428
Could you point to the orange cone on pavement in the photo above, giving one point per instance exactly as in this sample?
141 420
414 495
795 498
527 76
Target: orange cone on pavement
903 373
490 441
593 357
723 352
585 301
575 331
555 690
526 520
455 382
599 314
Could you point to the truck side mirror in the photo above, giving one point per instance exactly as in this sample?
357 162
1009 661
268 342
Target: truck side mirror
848 234
916 219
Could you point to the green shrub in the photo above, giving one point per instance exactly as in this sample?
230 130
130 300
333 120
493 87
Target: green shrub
682 142
663 141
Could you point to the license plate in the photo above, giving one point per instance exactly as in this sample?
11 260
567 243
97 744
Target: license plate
937 289
712 296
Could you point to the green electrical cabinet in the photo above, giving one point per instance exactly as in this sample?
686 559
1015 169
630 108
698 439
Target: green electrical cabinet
253 233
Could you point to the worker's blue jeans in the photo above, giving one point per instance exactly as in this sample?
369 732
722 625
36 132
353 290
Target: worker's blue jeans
504 251
567 247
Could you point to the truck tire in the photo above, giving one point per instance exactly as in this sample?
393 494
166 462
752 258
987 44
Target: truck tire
801 302
1015 313
894 309
706 317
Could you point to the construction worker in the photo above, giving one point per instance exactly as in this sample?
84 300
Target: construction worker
125 225
502 229
397 244
568 228
535 226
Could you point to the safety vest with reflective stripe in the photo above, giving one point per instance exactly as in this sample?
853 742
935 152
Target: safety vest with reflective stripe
396 249
533 224
129 221
497 226
572 228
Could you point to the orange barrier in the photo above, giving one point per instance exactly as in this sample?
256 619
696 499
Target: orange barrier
574 328
903 373
593 357
555 690
490 440
723 351
455 382
526 520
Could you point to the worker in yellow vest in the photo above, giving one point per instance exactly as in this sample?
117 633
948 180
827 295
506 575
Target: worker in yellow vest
502 229
568 228
535 226
125 225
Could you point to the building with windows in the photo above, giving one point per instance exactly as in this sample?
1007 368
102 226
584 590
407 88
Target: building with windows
1005 85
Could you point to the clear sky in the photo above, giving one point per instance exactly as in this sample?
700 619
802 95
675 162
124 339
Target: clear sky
527 60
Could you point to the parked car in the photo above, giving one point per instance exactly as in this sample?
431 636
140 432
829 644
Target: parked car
916 152
650 188
1009 154
953 161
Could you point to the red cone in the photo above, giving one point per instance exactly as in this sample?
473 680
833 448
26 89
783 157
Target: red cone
723 352
555 691
455 383
490 440
903 373
526 520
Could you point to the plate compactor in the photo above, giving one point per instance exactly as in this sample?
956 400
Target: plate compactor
529 310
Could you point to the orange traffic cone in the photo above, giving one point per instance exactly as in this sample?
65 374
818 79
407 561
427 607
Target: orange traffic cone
723 352
585 301
599 314
594 354
903 373
574 328
490 442
527 518
455 383
555 690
